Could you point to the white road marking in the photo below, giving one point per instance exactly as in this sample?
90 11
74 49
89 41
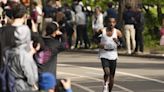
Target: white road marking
75 84
96 74
123 88
94 86
74 77
141 77
83 87
122 73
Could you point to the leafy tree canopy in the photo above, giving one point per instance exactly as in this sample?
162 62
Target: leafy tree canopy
153 1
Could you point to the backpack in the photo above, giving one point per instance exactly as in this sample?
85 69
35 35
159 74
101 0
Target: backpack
7 79
43 56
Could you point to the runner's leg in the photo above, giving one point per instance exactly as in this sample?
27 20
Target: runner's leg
112 74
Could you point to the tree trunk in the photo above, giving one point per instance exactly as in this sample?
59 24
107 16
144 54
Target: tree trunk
133 3
159 12
120 11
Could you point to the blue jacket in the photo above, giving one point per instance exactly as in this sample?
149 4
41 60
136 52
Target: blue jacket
128 17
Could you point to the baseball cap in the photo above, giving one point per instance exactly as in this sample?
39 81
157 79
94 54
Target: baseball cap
47 81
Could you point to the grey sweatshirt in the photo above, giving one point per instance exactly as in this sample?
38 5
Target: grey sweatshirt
23 65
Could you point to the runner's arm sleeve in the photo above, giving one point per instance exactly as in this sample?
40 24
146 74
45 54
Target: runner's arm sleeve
121 41
97 37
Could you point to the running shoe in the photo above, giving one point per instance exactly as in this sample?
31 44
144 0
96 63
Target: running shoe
105 88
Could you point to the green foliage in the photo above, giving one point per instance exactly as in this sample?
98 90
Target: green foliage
151 33
151 19
94 3
151 39
153 1
67 1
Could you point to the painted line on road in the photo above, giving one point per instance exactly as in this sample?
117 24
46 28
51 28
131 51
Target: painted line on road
141 77
73 77
122 73
100 80
75 84
82 87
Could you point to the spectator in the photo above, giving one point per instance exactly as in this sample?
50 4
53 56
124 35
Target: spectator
52 42
35 36
20 53
110 12
34 13
61 19
80 20
39 18
58 5
97 23
128 17
74 4
139 28
47 83
69 17
48 11
8 8
97 20
48 14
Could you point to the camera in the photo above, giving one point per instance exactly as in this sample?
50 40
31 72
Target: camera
59 87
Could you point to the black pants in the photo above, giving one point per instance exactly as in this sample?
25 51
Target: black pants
69 29
139 40
82 36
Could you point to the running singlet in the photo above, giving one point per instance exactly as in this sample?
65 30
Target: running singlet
110 51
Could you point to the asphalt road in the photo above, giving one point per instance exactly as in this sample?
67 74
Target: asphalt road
133 74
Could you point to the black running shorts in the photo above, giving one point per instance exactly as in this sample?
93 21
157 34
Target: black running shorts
109 63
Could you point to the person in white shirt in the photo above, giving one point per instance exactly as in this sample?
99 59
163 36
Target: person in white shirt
39 17
97 20
108 52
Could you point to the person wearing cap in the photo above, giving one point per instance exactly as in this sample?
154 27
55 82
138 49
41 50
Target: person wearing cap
53 42
47 83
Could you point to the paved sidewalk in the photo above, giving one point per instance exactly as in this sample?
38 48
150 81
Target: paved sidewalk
123 53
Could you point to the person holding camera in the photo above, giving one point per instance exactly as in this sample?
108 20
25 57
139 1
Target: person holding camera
47 58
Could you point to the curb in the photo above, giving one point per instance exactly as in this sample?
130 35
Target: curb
95 51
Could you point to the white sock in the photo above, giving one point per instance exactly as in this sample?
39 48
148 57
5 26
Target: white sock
106 83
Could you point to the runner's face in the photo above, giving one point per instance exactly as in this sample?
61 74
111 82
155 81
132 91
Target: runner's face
112 23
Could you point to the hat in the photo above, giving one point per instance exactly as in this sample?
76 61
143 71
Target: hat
51 27
47 81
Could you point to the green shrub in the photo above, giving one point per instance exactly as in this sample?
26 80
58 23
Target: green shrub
151 32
